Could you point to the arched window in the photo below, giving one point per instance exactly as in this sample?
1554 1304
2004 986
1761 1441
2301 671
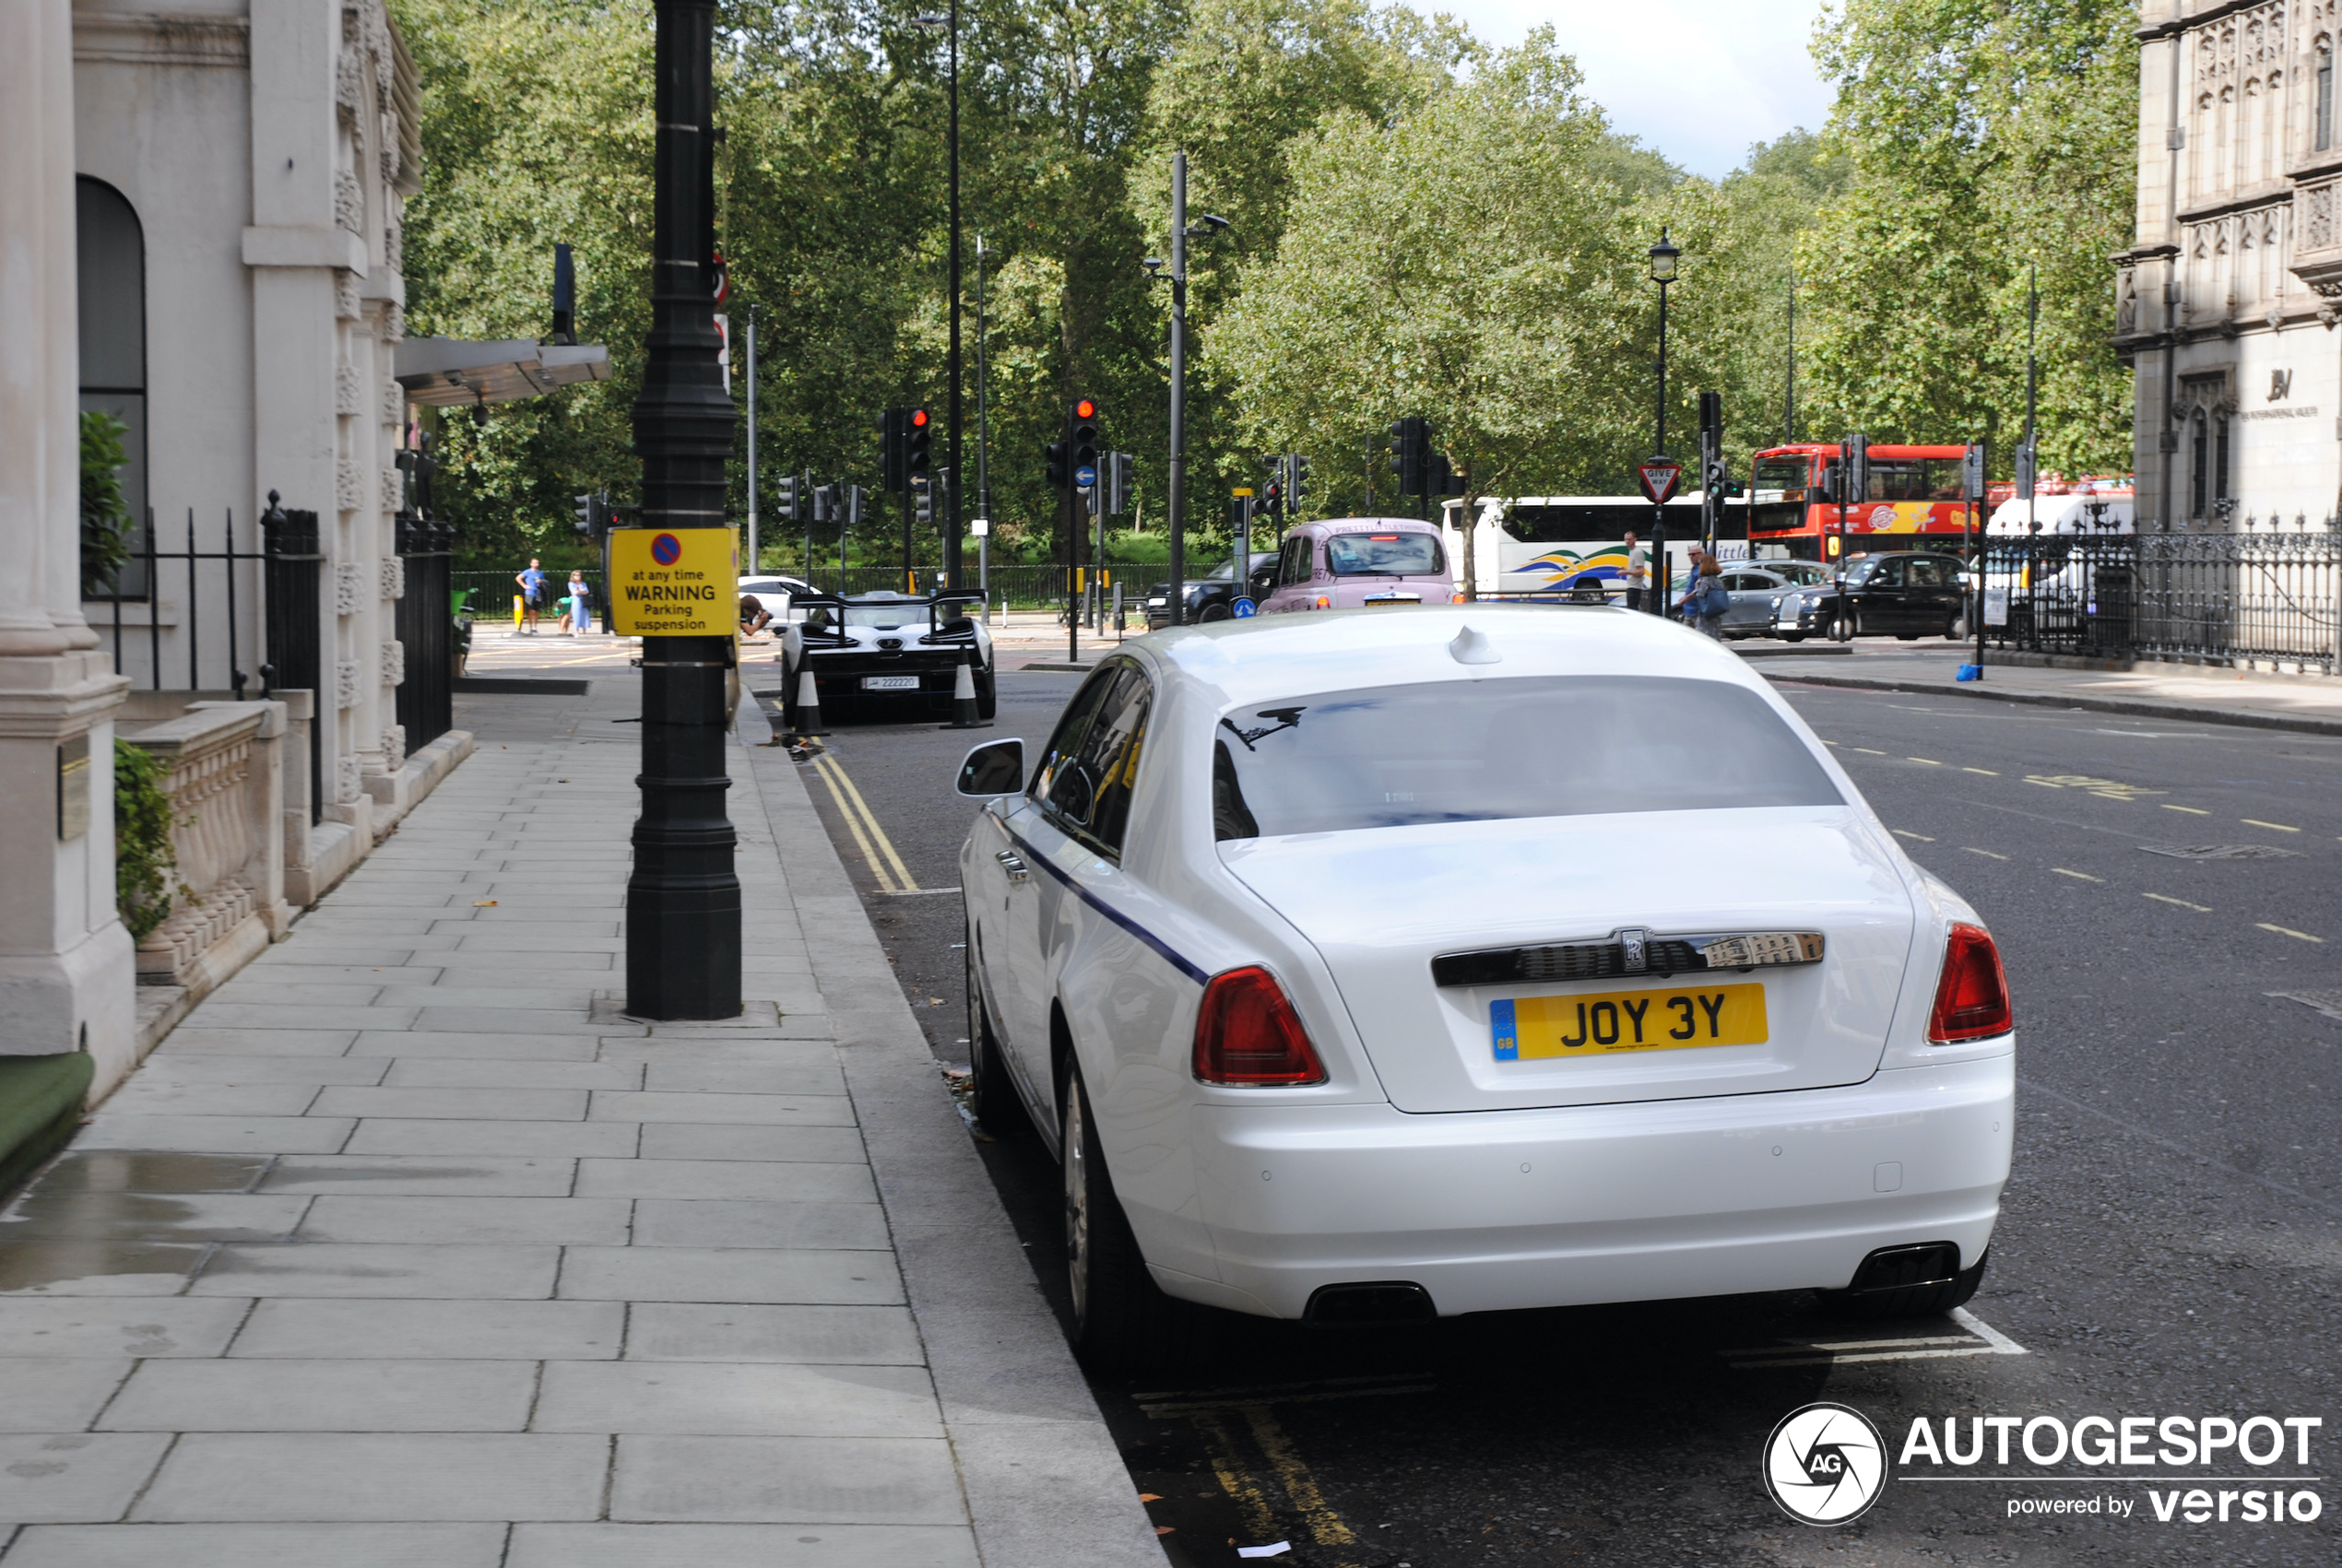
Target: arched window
111 276
2325 118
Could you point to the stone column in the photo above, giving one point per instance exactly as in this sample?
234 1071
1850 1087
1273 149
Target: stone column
307 269
66 978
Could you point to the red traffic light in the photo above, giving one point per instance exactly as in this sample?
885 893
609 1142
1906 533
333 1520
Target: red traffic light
919 419
1085 409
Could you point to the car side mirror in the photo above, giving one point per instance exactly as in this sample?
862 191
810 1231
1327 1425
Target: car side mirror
993 769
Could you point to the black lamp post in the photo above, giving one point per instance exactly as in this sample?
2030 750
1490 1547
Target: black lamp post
948 515
683 899
1663 257
1176 499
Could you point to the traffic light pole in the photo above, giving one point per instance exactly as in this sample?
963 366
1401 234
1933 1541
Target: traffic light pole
1175 498
683 898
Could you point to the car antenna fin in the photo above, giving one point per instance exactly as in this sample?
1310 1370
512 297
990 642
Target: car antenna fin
1472 647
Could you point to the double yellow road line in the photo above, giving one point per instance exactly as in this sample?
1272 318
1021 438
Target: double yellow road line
878 850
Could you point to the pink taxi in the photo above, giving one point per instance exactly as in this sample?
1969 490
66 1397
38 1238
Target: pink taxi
1361 563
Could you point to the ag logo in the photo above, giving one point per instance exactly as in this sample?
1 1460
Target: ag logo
1825 1464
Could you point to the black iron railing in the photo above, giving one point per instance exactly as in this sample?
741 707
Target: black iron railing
295 640
152 557
2272 597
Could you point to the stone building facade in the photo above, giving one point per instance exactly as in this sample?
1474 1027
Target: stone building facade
2227 306
200 212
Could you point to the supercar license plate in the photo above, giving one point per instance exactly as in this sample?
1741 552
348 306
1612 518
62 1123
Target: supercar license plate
1611 1022
890 683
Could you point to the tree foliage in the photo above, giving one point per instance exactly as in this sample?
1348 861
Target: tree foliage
1419 225
1983 139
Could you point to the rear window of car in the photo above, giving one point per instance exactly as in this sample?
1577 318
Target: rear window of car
1403 555
1475 751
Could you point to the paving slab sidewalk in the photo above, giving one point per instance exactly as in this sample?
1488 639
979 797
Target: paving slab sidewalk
408 1247
2308 704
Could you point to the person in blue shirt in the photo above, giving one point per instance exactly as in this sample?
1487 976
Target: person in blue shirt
532 595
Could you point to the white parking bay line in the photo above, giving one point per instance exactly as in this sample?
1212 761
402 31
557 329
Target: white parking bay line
1982 1340
2001 1344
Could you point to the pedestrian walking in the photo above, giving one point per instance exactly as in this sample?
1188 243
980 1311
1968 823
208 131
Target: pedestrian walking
580 615
1705 601
1637 572
532 595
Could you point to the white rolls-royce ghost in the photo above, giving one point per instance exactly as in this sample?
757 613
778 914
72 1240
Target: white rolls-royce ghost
1386 965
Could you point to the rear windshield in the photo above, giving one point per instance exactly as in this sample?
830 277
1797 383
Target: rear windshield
1393 555
1473 750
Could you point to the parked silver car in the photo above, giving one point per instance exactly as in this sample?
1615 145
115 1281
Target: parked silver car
1756 589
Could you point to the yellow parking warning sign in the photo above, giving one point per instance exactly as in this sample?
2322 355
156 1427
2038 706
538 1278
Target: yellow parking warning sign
674 582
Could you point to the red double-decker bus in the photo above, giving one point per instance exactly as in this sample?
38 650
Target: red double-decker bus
1913 503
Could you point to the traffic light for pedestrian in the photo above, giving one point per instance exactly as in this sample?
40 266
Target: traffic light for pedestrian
1061 471
894 474
824 499
917 439
1082 434
923 499
1410 453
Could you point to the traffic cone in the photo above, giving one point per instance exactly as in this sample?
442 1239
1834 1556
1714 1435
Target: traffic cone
808 704
964 697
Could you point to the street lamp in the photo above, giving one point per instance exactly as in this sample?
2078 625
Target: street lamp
949 517
683 897
1175 498
1663 256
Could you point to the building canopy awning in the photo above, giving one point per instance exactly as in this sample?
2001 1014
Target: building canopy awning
452 372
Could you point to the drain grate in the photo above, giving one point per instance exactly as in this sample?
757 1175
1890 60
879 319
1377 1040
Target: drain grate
2327 1002
2221 851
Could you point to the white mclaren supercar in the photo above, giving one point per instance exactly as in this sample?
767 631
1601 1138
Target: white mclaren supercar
1377 966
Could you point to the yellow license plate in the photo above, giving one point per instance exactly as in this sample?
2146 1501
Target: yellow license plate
1609 1021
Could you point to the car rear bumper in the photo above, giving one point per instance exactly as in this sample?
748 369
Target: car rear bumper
1613 1203
842 673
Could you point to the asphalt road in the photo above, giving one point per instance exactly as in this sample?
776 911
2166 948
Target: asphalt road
2171 1242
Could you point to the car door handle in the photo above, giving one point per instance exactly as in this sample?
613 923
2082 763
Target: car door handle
1014 864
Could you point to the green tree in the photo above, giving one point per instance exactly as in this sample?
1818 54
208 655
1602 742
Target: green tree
1980 136
1474 262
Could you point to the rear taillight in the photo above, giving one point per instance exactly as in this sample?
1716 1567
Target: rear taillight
1248 1036
1971 1000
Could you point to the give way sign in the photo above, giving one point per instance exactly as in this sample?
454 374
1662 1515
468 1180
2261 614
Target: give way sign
1657 478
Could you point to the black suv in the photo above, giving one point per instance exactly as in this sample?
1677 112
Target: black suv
1212 597
1905 593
